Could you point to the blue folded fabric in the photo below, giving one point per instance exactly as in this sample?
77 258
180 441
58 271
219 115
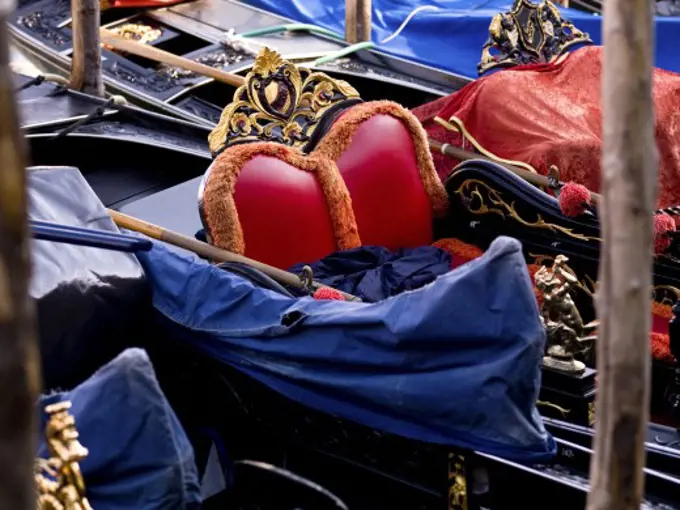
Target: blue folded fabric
139 456
456 362
374 273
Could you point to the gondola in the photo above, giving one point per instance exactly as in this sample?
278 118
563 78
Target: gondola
666 372
41 30
272 427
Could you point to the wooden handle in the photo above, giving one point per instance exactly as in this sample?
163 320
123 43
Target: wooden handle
157 55
211 252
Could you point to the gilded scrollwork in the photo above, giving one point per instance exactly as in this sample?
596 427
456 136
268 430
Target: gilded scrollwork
143 34
528 33
279 102
458 491
58 479
479 197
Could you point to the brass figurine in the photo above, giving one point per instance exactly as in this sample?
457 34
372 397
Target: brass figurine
567 335
58 479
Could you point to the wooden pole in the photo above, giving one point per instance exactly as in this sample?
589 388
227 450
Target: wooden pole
629 177
86 61
358 16
19 373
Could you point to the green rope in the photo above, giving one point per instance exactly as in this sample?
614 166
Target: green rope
291 27
365 45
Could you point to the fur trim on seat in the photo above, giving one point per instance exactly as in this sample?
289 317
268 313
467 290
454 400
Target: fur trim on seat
219 208
342 132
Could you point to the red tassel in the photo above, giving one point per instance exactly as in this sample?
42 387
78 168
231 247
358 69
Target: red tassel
574 199
663 223
328 293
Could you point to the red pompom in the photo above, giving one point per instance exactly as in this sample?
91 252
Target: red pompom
663 223
328 293
574 199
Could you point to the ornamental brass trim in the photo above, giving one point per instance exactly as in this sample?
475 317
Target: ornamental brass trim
59 482
143 34
528 33
279 102
480 198
458 490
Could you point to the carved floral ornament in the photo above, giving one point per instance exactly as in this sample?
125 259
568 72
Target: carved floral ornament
281 103
528 33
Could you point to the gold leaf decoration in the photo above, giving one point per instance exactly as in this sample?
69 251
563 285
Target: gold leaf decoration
281 103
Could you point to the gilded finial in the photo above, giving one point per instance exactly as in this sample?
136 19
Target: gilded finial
58 479
280 102
528 33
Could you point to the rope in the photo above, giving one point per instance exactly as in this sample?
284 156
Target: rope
38 80
113 101
411 15
291 27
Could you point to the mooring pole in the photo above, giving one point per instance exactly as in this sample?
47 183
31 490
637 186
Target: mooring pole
629 187
358 16
19 372
86 61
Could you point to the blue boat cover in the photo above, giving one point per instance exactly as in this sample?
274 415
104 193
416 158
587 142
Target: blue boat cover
450 37
455 362
374 273
139 456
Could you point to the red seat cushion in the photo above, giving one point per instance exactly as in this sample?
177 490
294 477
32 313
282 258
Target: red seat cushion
370 180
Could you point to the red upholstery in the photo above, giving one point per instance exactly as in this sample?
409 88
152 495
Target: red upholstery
370 180
283 213
381 172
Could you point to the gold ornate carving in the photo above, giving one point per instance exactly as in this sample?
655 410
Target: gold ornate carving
528 33
143 34
480 198
279 102
591 414
458 499
58 479
566 332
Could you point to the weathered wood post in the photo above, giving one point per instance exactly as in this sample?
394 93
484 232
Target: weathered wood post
358 16
86 61
19 373
629 177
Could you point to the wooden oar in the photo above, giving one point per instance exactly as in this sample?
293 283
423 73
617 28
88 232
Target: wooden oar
117 42
212 252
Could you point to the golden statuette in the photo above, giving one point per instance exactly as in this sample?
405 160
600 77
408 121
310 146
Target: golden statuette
280 102
567 335
529 33
58 479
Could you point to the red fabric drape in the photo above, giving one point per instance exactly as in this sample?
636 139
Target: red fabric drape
550 114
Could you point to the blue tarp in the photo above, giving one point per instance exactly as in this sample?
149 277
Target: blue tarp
139 456
456 362
451 37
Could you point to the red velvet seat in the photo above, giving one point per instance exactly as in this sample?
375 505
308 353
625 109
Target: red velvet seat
369 179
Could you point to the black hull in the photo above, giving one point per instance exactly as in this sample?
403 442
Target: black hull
39 29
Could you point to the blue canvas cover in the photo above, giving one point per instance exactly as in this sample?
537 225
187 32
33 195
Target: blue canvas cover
139 456
450 37
456 362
